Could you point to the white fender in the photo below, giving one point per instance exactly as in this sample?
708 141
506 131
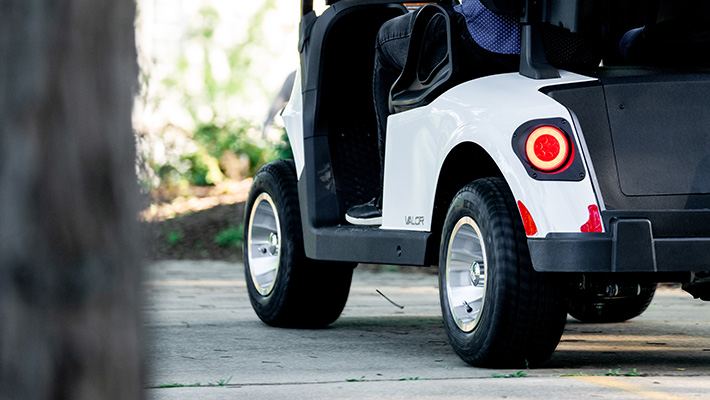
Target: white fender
484 111
293 120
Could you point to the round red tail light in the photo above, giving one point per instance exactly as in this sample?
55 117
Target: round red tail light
547 149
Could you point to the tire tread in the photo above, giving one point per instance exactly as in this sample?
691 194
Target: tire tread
307 293
529 316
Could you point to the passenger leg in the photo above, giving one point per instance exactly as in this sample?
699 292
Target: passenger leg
390 55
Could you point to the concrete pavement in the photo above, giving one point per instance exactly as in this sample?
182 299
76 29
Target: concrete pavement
200 329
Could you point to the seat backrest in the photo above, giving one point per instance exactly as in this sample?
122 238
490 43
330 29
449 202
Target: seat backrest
419 83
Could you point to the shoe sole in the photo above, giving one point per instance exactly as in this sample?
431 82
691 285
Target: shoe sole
364 221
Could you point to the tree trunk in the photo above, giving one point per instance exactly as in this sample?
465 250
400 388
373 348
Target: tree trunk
69 256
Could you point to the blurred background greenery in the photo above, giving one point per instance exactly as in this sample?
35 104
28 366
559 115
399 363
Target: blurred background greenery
210 70
213 73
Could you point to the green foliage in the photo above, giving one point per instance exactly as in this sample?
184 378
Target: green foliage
204 150
230 237
617 372
218 139
633 372
221 382
174 237
283 148
361 379
204 169
519 374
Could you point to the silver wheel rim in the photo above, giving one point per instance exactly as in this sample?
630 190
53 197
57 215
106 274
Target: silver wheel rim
466 274
264 244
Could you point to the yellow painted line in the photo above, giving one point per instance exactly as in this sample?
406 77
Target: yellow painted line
630 388
197 283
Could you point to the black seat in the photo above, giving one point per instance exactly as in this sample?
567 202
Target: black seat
559 31
419 84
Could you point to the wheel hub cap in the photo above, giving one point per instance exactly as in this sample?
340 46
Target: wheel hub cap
263 244
273 244
475 273
466 274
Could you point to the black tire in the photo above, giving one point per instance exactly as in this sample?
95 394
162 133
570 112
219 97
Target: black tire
287 289
609 310
522 313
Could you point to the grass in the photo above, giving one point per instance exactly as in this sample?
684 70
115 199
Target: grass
633 372
221 382
617 372
519 374
573 374
361 379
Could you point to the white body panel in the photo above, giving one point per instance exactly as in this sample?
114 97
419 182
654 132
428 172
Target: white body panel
293 120
484 111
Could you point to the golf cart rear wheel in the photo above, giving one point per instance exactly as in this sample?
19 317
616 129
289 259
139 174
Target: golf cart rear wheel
286 289
609 310
498 312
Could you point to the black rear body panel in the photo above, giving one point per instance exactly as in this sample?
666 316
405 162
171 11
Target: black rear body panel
647 134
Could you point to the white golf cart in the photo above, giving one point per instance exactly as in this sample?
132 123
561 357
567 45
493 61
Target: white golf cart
537 194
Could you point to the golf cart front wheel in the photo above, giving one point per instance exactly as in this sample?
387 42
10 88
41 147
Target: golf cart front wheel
287 289
498 311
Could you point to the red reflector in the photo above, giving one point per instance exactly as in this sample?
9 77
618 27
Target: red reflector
547 148
595 221
528 222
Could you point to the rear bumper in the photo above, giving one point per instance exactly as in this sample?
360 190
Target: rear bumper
629 246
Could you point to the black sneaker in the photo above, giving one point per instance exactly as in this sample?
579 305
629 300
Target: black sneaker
369 213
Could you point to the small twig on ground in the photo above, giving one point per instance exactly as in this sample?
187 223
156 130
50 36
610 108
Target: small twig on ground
388 299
